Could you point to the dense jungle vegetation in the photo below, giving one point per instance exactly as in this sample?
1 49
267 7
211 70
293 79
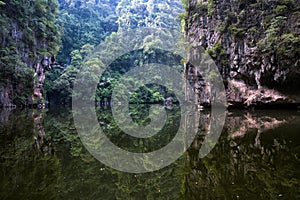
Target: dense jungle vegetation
70 30
261 50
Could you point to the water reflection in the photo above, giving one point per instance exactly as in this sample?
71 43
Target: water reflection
257 156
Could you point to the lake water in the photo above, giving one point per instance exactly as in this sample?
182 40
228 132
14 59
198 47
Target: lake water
256 157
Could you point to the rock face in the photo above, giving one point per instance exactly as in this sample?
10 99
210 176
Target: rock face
11 94
39 78
255 44
5 99
29 37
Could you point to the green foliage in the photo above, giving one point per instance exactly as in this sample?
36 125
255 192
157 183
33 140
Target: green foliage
130 14
84 22
86 49
201 7
210 7
24 81
216 51
59 84
236 31
280 9
183 18
212 75
76 58
60 81
146 94
275 29
153 13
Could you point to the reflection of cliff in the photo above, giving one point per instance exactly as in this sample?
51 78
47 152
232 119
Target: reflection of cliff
4 115
239 126
42 144
25 174
256 157
15 122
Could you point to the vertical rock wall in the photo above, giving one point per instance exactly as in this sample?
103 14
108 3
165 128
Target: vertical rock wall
255 44
29 37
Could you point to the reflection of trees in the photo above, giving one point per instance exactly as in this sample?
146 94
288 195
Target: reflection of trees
25 174
163 184
28 172
235 167
140 115
86 178
251 160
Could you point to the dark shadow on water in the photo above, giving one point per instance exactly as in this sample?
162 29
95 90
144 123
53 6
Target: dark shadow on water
256 157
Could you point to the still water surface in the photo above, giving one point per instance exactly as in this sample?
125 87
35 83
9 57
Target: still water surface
256 157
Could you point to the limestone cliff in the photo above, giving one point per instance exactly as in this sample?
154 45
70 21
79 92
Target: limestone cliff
29 39
255 44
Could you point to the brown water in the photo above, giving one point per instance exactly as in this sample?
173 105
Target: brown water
256 157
